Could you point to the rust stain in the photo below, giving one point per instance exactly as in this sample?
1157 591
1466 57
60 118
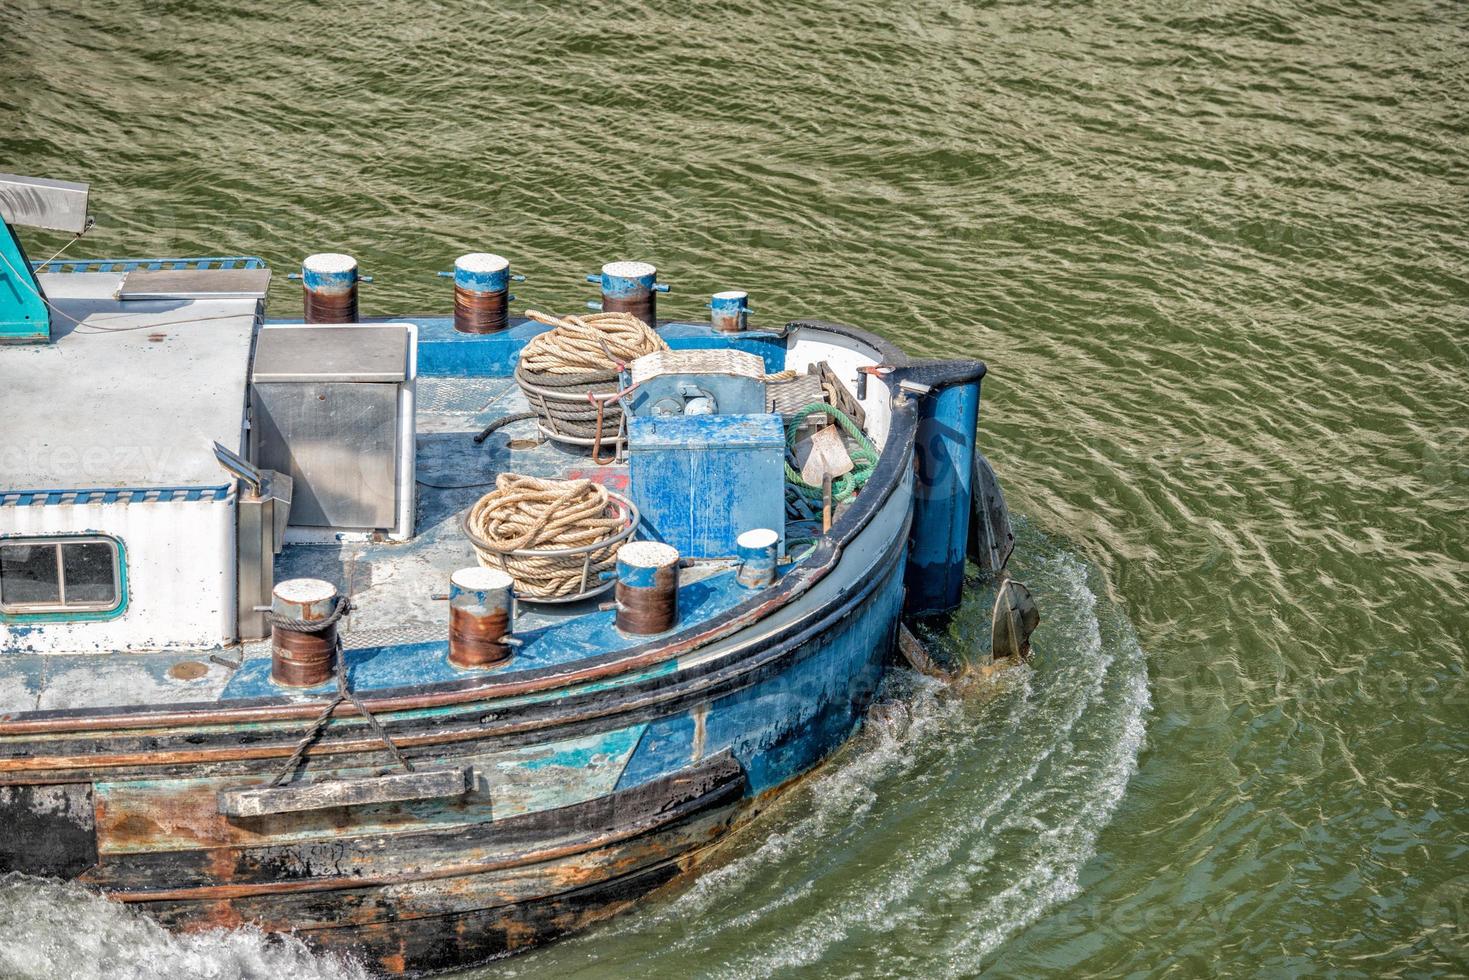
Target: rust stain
188 670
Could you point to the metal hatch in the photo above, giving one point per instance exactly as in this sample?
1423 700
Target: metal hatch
328 412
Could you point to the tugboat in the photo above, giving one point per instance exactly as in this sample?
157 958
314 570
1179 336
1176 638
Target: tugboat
432 638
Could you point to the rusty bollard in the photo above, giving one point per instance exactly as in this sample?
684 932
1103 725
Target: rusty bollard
329 285
480 606
481 293
647 587
729 311
629 287
298 658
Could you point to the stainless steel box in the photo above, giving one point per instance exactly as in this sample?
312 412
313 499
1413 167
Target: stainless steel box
327 411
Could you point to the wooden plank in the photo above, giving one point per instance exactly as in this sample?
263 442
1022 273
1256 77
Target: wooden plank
430 785
840 395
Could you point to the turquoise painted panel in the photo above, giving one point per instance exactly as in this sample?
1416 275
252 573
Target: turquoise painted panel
23 313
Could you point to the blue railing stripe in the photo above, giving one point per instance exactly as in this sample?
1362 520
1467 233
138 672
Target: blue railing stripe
128 265
24 498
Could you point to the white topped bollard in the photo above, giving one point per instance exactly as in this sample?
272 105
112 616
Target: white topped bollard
757 554
729 311
647 587
481 603
329 284
629 287
481 293
302 655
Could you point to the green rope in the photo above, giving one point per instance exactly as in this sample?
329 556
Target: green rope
864 457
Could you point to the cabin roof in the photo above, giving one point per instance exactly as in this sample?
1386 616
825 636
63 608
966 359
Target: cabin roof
131 395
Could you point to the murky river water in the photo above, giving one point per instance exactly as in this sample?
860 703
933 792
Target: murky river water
1216 257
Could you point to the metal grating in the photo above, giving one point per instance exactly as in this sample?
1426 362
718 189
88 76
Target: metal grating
457 396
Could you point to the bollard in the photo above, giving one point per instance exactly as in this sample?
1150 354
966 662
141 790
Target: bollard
480 607
757 557
730 311
329 283
630 287
303 659
481 293
647 587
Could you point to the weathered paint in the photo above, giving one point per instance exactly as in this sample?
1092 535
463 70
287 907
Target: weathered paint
435 900
593 634
481 293
729 311
481 603
178 814
176 563
773 682
782 726
647 588
757 554
700 481
301 659
49 830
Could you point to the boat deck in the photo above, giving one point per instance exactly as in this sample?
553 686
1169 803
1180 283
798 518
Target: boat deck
398 634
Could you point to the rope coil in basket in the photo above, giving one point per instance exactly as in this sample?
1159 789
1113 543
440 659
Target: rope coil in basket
545 533
564 371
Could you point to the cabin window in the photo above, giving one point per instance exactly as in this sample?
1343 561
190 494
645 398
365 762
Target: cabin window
76 573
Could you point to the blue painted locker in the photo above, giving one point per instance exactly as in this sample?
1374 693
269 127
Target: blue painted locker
701 481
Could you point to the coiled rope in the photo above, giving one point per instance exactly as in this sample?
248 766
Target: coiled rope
569 373
344 693
596 343
864 455
525 513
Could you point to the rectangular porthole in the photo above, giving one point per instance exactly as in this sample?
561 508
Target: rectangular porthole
60 575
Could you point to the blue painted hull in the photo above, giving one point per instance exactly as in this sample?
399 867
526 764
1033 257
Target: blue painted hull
782 727
590 779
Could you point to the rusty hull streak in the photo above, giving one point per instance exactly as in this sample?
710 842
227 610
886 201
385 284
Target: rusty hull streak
579 846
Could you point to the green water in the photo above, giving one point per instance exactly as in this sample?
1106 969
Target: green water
1215 256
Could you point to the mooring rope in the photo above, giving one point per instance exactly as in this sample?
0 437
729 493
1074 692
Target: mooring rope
526 513
864 456
596 343
344 693
569 373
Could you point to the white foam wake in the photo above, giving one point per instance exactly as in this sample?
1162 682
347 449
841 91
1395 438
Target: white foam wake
50 930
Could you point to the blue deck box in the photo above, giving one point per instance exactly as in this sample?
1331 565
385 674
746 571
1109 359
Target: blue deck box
701 481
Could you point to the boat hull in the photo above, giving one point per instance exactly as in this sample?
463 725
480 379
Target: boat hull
576 821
